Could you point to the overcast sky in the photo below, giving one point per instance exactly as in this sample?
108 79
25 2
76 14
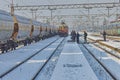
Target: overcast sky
5 5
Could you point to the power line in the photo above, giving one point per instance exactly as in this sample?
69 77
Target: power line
68 6
49 1
7 1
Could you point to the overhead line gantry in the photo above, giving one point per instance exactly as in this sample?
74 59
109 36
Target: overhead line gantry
67 6
75 16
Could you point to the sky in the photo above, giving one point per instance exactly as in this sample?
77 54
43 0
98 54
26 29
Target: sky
5 5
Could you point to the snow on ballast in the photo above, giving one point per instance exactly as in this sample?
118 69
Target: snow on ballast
29 69
13 58
72 65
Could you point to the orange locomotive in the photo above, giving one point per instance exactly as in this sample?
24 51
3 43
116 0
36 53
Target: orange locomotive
63 30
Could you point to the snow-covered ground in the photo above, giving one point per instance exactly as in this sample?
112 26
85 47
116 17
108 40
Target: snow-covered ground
47 71
10 59
111 65
28 70
97 68
72 65
108 42
113 44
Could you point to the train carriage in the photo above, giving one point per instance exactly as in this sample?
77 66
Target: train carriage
24 27
36 28
114 28
6 25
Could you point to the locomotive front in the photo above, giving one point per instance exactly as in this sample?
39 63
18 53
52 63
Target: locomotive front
63 30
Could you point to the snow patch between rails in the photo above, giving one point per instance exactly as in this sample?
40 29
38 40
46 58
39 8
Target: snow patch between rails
72 65
36 61
71 53
50 49
105 58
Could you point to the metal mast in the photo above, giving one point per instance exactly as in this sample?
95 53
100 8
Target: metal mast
12 9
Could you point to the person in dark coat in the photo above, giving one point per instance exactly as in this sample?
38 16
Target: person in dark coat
77 37
2 47
85 36
25 42
73 34
12 44
104 35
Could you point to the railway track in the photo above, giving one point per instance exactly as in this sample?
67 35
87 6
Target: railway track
108 37
105 68
108 52
99 60
55 54
100 45
30 57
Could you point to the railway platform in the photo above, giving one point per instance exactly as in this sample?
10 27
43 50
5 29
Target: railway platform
72 65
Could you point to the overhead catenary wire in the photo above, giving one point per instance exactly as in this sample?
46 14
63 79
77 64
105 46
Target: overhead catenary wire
7 1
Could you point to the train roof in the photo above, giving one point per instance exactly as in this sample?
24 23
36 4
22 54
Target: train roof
4 12
22 19
5 16
36 23
44 25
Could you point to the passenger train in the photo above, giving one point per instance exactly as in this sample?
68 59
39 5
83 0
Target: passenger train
19 28
113 29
